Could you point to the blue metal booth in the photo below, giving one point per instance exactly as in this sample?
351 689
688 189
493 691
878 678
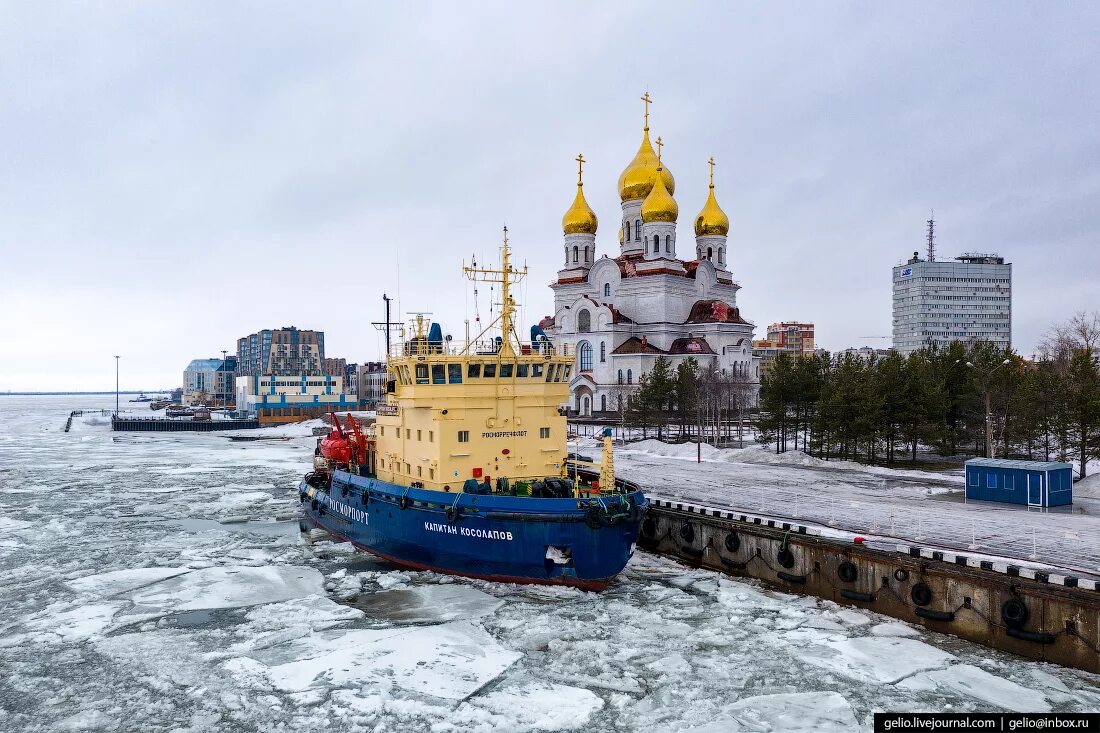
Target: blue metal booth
1031 483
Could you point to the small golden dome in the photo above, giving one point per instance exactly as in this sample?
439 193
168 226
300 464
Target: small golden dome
712 220
580 218
659 204
637 180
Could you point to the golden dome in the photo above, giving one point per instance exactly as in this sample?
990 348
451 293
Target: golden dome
637 180
580 218
712 220
659 204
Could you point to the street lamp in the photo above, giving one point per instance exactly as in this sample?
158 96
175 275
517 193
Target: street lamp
116 385
222 370
986 374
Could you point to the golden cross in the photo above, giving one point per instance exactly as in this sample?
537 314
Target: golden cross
580 167
711 164
659 144
647 100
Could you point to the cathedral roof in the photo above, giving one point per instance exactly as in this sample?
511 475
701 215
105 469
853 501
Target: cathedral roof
635 345
659 204
690 345
714 311
638 178
579 218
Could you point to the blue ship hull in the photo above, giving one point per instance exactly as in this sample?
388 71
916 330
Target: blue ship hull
577 542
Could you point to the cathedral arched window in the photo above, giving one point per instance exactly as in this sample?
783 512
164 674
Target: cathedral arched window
586 254
603 351
721 255
630 376
584 321
620 376
584 356
710 252
603 403
668 243
647 245
575 252
637 229
607 290
628 231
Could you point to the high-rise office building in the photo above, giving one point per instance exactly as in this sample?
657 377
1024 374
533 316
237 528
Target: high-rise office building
967 299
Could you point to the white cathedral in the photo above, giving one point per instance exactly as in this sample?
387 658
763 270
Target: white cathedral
622 313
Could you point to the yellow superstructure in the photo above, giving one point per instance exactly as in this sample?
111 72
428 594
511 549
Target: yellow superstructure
490 408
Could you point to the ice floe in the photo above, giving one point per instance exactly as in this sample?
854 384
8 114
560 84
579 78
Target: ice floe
428 604
228 587
450 661
876 659
975 682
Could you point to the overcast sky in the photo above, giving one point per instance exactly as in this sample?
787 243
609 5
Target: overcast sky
174 176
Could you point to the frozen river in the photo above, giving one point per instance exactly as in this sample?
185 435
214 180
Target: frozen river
159 583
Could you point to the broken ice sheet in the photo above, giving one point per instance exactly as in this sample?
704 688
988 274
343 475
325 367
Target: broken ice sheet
428 604
875 659
539 706
228 587
971 681
793 712
451 661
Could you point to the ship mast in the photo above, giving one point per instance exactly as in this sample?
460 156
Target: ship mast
505 276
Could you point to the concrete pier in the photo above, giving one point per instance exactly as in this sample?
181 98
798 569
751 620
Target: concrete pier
162 424
1041 615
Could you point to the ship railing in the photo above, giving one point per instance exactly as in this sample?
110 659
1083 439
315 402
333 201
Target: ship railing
487 347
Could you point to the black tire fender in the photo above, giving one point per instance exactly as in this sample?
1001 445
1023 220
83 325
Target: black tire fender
1014 613
901 575
921 594
687 533
785 558
732 542
847 571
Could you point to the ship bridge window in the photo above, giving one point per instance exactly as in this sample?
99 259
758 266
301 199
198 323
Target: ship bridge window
549 372
473 371
463 436
544 432
536 371
568 368
438 374
454 373
506 371
521 370
490 371
421 373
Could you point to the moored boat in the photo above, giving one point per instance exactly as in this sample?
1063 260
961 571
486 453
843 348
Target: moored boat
467 471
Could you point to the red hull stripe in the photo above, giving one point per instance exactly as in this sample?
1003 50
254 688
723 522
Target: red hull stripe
592 585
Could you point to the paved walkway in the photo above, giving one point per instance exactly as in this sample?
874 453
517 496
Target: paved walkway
922 511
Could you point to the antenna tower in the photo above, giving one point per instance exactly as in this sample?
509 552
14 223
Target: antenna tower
932 236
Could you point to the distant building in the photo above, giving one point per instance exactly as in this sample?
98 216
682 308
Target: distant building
796 339
372 378
292 397
209 381
937 302
334 367
351 378
282 351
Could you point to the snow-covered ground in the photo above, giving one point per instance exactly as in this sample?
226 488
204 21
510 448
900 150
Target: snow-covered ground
916 507
158 582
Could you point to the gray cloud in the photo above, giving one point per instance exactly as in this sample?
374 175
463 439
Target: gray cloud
176 176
